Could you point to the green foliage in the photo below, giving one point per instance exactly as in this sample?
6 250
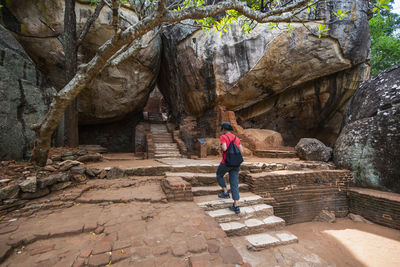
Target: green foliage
321 30
340 14
385 42
311 6
380 5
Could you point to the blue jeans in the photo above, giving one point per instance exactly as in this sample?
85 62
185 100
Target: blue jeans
233 179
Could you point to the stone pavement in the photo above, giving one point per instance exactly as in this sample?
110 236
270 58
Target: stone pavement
121 234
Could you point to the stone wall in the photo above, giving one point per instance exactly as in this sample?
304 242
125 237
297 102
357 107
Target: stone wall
117 136
39 183
299 196
25 96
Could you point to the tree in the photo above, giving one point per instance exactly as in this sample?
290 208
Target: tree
154 16
71 42
385 41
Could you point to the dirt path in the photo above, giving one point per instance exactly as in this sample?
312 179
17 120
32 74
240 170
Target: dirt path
348 243
129 225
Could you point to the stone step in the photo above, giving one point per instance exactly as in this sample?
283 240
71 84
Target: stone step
164 156
175 154
166 151
167 148
160 132
158 125
226 215
252 226
210 202
197 179
270 239
163 139
168 154
214 190
165 145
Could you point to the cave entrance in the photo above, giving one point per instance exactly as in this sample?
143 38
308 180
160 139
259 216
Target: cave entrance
127 134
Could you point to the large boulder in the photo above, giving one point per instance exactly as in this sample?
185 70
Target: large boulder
313 149
369 143
24 98
271 74
118 90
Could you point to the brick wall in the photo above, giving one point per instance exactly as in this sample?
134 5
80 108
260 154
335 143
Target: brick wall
298 196
177 189
377 206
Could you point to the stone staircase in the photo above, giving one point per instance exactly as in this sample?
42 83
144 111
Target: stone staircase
256 222
155 117
164 146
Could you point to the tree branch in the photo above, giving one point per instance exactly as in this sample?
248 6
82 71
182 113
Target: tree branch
275 15
56 34
120 13
89 22
89 71
115 12
123 55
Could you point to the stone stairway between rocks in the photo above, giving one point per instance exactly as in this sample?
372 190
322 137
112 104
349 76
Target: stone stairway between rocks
163 142
256 222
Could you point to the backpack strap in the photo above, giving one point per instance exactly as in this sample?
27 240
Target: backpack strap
230 139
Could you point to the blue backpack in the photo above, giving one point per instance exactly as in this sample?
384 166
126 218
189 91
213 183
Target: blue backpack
233 156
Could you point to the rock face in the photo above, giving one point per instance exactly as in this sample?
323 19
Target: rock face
117 91
369 143
24 98
268 77
313 149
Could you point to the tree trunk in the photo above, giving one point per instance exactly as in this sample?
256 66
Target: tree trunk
87 72
71 52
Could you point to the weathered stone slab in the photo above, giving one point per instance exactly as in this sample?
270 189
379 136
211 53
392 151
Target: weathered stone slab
60 186
255 225
52 179
231 227
274 221
10 191
225 215
262 241
39 193
286 238
271 239
214 190
29 185
224 203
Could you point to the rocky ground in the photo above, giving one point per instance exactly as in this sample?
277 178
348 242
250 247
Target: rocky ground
129 222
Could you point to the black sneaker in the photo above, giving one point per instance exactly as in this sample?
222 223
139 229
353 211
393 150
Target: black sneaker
236 209
223 195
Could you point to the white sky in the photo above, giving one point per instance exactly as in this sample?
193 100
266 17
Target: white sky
396 7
